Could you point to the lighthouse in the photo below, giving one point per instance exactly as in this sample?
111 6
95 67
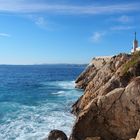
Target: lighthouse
135 44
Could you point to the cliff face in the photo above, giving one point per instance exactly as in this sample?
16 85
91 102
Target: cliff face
96 63
110 105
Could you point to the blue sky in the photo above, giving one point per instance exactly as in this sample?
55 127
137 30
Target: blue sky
66 31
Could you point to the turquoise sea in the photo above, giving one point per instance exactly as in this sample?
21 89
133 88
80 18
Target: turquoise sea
36 99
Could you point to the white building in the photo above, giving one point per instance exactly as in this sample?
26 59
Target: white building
135 45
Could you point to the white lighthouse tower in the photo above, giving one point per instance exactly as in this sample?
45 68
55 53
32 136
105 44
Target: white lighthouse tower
135 44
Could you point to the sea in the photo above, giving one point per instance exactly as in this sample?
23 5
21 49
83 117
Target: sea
35 99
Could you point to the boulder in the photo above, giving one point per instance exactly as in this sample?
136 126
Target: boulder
114 116
56 135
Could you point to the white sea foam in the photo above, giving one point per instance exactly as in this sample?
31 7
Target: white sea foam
36 124
61 92
66 84
61 84
58 93
23 122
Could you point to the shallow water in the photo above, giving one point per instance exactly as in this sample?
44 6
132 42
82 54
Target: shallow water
36 99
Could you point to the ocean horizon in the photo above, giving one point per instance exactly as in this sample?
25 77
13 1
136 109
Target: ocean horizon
63 64
35 99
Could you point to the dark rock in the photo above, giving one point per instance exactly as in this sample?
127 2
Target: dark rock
56 135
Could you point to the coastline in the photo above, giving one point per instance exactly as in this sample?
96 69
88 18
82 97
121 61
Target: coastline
109 106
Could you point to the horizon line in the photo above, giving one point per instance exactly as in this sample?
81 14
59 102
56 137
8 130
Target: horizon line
45 64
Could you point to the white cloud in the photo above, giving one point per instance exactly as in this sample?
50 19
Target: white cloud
119 28
24 6
39 21
122 19
97 36
4 35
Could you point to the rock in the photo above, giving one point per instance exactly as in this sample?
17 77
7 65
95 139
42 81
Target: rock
100 81
56 135
93 138
98 62
138 135
91 70
91 119
112 116
85 77
110 105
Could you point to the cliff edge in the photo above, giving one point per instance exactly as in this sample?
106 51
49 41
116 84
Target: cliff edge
109 109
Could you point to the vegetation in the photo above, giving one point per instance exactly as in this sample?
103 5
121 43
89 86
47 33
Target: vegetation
132 62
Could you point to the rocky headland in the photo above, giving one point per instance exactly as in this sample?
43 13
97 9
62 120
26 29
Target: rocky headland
109 109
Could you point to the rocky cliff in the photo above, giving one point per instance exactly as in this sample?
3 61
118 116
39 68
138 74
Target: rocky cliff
110 106
109 109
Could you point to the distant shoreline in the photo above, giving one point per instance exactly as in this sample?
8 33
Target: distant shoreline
43 64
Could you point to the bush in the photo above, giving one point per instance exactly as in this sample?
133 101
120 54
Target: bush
132 62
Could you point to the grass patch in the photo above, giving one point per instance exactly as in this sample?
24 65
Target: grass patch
132 62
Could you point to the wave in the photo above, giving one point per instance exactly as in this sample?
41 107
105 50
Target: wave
34 122
66 84
60 84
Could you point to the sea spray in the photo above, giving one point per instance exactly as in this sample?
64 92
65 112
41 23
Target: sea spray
32 102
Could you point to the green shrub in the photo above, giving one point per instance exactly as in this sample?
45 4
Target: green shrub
132 62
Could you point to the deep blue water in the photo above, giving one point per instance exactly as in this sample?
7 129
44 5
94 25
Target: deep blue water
36 99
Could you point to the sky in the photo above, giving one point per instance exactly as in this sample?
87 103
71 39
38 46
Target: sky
66 31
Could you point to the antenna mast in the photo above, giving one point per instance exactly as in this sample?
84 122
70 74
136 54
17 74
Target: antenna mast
135 35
